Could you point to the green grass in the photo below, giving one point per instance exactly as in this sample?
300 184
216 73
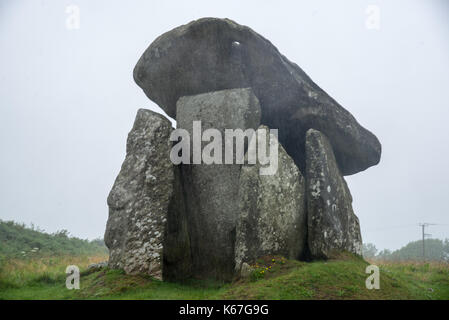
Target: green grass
273 278
39 271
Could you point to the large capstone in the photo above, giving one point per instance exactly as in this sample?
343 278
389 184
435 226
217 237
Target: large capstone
332 225
272 209
211 190
139 200
215 54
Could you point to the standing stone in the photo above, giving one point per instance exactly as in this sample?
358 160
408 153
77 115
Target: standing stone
272 211
177 262
139 199
211 190
332 224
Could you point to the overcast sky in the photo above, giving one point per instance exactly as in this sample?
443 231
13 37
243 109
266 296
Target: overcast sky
68 100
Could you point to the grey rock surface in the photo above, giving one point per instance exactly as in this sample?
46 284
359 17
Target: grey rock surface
245 270
139 200
97 266
213 54
177 261
272 209
211 190
332 224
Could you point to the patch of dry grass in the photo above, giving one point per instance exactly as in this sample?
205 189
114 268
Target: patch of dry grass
16 272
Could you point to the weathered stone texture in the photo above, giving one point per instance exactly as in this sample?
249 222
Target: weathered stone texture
139 200
332 224
272 210
212 190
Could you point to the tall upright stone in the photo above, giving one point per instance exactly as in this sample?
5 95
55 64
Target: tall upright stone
177 260
332 224
211 190
272 208
139 200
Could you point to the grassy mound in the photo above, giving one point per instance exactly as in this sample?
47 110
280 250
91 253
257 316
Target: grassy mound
19 241
272 278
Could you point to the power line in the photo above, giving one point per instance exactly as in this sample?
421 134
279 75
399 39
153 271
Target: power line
401 226
391 227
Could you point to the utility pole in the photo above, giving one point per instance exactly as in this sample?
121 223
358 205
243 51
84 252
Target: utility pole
423 246
424 235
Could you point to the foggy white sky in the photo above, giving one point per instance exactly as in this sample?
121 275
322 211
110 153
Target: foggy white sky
68 100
